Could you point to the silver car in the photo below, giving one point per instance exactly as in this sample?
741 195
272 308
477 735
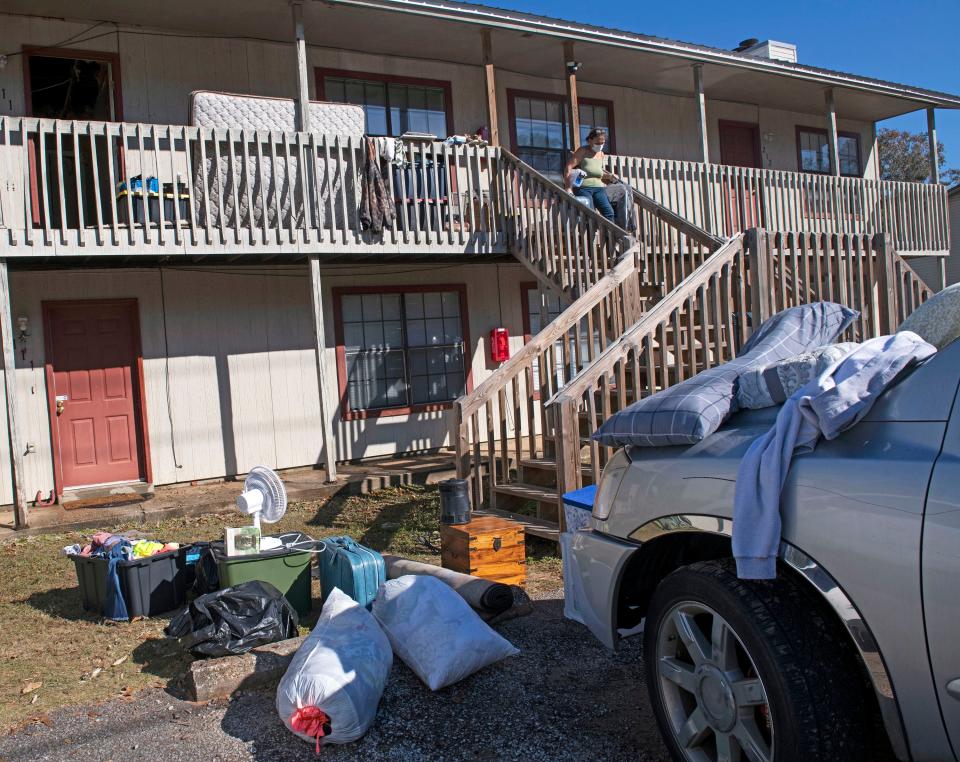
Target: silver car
853 652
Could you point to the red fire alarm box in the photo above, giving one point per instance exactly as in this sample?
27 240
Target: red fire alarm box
499 345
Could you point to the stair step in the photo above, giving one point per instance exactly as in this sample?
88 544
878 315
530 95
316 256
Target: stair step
531 525
526 491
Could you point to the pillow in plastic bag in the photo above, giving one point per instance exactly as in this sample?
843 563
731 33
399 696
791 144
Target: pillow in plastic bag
435 631
334 682
773 384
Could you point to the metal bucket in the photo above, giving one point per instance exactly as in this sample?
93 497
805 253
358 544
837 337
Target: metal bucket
454 502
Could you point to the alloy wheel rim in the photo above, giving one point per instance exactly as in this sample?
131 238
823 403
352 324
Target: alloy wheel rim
713 698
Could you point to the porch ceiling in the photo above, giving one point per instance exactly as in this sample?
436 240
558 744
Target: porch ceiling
523 44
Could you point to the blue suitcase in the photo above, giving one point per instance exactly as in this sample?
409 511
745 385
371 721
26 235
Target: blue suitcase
354 568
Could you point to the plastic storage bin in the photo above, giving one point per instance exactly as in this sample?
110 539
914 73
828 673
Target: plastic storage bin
287 570
150 586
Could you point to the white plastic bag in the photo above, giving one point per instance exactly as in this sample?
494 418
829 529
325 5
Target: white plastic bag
573 594
435 631
334 682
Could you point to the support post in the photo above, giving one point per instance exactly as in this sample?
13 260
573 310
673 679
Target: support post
492 118
326 408
572 102
10 387
704 144
832 132
302 101
761 276
932 143
889 309
701 112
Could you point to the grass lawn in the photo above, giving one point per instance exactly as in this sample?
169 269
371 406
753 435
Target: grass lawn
54 654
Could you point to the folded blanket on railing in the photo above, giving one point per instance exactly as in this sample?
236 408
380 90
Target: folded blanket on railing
691 410
830 404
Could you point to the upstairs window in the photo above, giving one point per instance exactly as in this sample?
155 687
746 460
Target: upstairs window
401 350
813 150
540 128
392 105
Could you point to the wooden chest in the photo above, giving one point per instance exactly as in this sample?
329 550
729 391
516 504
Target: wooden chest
488 547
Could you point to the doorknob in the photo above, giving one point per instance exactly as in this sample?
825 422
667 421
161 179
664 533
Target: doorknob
61 405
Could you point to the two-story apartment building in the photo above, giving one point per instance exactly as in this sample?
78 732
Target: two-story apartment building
160 333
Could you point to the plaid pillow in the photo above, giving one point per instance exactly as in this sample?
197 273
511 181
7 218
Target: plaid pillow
695 408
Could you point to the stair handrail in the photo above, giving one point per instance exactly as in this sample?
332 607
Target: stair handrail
649 330
563 261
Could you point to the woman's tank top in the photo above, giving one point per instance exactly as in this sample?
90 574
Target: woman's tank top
594 169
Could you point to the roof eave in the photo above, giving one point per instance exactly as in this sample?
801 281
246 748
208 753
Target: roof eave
502 19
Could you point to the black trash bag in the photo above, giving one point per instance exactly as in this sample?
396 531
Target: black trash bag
207 572
234 620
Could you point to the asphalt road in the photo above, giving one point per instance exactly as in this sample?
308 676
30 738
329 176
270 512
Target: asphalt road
564 697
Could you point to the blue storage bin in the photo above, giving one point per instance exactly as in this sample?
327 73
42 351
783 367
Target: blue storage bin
353 568
577 507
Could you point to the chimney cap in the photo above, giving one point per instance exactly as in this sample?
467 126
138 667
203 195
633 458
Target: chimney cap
744 44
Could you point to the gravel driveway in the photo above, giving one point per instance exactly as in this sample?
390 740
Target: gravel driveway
564 697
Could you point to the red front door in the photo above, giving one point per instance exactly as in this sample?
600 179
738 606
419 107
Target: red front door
740 147
740 144
92 372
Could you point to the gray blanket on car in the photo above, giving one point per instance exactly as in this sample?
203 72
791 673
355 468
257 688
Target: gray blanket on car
830 404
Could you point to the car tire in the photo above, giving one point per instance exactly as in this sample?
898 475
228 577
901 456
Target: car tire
754 670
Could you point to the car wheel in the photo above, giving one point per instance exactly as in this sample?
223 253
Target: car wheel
748 670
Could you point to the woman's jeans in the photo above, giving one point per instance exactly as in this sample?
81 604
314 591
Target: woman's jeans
601 201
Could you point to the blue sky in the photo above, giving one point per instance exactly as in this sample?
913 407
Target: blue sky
908 42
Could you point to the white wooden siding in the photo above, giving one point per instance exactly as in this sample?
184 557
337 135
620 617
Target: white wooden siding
240 374
159 72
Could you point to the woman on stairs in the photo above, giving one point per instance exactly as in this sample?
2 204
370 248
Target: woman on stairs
586 165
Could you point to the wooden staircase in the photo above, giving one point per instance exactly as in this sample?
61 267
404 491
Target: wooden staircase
643 312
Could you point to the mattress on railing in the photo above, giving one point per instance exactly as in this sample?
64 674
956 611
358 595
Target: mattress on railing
232 176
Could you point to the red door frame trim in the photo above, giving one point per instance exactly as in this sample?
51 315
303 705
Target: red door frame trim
139 403
88 55
513 93
444 84
346 414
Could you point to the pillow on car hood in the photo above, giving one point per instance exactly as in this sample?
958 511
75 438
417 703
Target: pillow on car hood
695 408
773 384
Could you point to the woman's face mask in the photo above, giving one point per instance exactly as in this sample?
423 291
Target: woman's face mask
597 147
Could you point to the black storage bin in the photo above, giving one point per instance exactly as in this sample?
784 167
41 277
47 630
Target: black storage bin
420 189
150 586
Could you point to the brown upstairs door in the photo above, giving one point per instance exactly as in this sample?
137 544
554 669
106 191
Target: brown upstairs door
740 147
93 382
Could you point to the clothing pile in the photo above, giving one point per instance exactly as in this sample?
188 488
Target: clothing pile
102 543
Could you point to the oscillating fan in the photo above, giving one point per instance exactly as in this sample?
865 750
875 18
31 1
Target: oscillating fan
264 498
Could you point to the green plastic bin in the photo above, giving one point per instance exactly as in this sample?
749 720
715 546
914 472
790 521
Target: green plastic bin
287 570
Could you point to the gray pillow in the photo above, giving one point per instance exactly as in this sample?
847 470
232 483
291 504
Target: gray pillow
695 408
937 320
774 383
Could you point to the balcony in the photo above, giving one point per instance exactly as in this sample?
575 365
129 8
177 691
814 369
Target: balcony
73 188
728 200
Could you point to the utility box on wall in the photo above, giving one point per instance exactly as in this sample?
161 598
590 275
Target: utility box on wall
499 345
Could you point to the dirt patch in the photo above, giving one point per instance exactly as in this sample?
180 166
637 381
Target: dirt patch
54 654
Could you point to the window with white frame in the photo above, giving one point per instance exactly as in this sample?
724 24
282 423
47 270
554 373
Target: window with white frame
402 349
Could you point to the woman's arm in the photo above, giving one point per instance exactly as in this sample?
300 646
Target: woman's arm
575 158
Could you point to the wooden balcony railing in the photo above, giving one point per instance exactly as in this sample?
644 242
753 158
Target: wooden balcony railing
704 320
73 187
727 200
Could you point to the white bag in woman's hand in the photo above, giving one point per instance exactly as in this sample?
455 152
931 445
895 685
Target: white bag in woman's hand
334 682
435 631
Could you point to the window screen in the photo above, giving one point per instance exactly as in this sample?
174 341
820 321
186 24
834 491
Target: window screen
403 349
394 108
815 152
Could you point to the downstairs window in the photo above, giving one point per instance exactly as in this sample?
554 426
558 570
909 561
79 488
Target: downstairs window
400 351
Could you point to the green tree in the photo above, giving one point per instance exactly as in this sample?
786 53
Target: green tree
906 156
